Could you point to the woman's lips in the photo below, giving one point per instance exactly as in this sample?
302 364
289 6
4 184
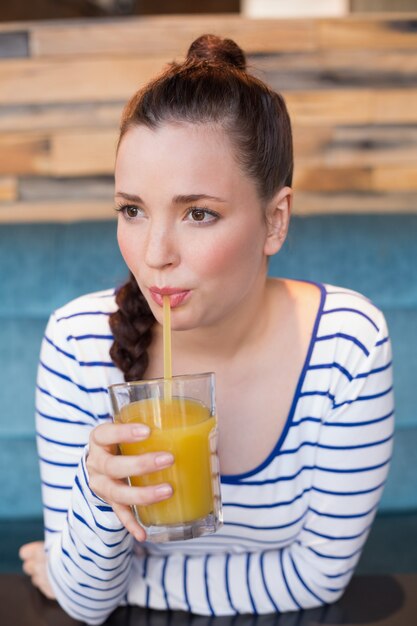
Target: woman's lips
176 296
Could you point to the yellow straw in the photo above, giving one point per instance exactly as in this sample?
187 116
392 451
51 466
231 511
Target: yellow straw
167 348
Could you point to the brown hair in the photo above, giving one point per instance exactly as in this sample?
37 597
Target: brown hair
211 86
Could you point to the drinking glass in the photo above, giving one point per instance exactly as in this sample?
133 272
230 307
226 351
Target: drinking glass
181 414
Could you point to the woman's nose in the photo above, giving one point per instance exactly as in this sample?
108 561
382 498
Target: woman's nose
161 246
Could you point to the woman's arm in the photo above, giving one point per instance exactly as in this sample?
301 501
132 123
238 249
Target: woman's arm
88 549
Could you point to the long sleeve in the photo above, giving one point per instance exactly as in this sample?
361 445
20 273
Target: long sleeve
348 465
89 552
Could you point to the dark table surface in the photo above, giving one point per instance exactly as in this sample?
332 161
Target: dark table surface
369 600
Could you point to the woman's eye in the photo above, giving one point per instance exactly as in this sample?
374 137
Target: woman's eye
203 216
129 211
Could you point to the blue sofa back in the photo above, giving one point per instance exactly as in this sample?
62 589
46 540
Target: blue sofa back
44 265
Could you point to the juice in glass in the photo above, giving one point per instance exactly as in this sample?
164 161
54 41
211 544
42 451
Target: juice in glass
186 429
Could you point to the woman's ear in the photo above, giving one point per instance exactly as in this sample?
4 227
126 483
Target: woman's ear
278 212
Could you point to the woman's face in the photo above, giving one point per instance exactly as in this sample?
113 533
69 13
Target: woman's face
191 224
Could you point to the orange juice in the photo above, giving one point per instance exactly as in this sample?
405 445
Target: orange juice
185 428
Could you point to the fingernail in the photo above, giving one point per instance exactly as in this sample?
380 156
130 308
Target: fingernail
163 491
140 430
162 460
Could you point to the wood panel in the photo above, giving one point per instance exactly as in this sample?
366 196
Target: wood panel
35 81
8 189
49 117
350 85
64 211
168 36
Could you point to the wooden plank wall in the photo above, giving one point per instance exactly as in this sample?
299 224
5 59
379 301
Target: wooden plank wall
350 84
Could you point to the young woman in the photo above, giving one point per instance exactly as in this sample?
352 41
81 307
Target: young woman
304 388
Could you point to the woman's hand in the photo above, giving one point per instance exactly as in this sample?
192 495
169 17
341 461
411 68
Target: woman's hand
108 471
34 564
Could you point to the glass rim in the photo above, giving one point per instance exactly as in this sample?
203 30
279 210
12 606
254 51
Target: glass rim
155 381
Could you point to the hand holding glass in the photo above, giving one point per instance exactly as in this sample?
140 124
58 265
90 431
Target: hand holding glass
180 412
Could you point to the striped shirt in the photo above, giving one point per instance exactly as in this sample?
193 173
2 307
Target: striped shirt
294 527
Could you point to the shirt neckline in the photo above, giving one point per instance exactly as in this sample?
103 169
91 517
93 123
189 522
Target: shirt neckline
230 479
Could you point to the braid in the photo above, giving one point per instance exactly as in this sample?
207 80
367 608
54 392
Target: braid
131 326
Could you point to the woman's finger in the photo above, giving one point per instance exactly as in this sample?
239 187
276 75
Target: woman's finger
29 567
110 434
29 549
127 519
118 492
119 466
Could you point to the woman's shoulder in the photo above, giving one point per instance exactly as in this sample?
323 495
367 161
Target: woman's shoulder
90 304
340 312
85 315
346 301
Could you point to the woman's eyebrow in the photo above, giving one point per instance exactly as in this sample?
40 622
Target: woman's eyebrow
181 199
185 199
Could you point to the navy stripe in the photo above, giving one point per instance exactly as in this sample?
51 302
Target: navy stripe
82 337
365 423
103 580
145 572
71 404
350 310
272 505
49 462
281 560
248 558
265 583
164 567
306 419
349 493
350 516
348 571
226 572
347 374
272 481
382 341
333 557
370 468
109 530
54 509
334 365
342 538
60 443
68 379
187 602
81 363
347 337
302 581
206 581
357 446
377 370
70 599
108 558
317 392
62 420
68 487
364 398
87 483
67 354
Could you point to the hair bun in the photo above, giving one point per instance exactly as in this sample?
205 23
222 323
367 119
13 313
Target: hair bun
215 49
